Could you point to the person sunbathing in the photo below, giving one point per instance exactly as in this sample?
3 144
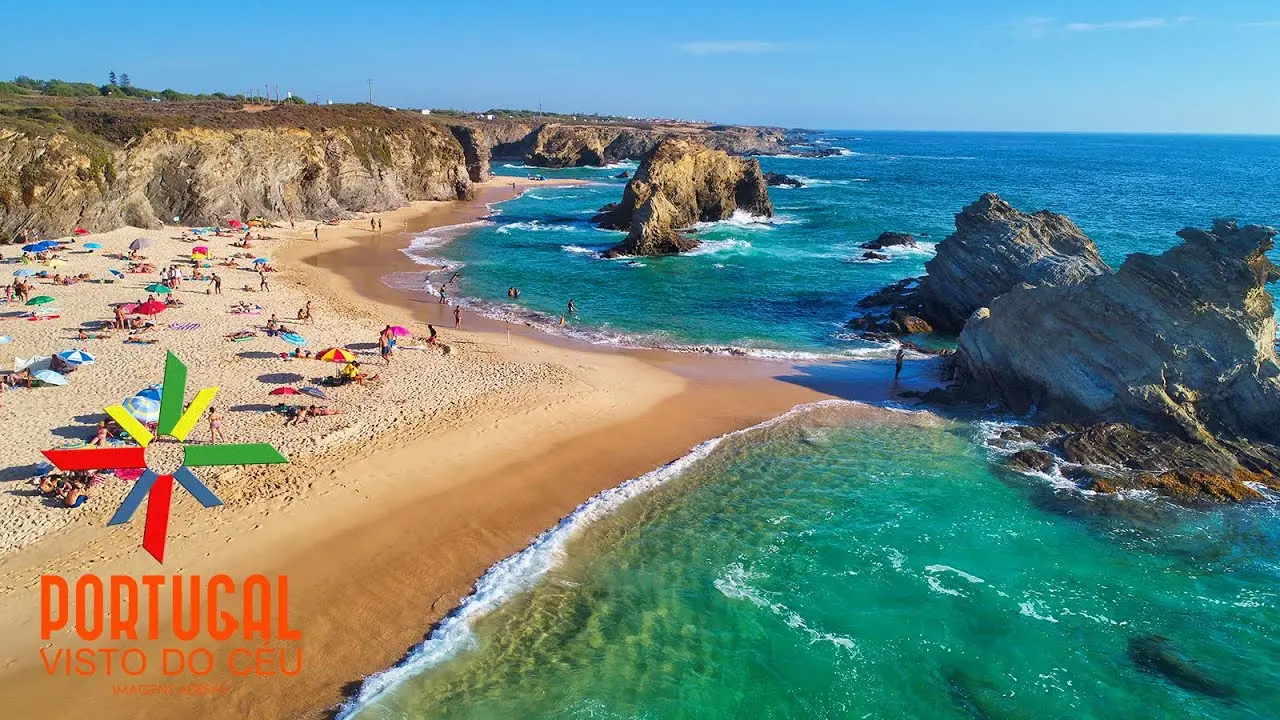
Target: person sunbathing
241 335
172 301
100 439
134 340
51 484
75 496
299 416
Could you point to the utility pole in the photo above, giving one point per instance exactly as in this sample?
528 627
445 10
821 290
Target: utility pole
370 83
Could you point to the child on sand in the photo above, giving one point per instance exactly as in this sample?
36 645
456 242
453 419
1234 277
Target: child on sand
215 426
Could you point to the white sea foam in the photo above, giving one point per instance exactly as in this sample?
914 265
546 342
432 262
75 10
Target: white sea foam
578 249
521 571
961 573
735 584
709 247
538 226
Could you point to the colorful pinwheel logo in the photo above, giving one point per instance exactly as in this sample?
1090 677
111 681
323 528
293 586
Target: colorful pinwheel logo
156 483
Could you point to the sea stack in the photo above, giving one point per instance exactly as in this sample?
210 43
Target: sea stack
681 183
994 249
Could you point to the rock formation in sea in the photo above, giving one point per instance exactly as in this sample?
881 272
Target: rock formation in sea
890 239
1183 341
773 179
681 183
993 249
558 145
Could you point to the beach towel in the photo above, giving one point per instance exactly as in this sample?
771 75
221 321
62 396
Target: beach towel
184 326
38 318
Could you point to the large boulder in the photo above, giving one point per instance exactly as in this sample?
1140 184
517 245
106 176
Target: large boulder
994 249
679 184
889 238
1181 342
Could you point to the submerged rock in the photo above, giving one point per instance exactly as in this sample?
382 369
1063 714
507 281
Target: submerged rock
623 175
680 184
994 249
1156 655
871 255
890 239
1182 342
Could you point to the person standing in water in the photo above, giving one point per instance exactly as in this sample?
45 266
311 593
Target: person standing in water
572 308
442 294
373 225
897 364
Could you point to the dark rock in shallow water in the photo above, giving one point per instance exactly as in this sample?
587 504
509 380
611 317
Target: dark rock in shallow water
890 239
1156 655
872 255
1037 460
608 208
623 175
679 184
994 249
773 179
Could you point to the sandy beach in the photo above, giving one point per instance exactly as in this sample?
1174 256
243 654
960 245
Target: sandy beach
388 512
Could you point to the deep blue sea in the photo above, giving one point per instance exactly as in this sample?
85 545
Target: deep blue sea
846 561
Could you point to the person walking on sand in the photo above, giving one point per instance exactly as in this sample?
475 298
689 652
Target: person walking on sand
316 232
215 426
262 281
457 317
897 364
384 347
373 225
379 224
216 282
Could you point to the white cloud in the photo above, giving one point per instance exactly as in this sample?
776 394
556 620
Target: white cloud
729 47
1139 24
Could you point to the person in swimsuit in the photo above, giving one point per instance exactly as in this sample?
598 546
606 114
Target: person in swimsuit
76 495
442 294
897 364
215 426
457 317
100 440
572 308
431 329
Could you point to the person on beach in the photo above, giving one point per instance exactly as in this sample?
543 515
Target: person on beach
572 308
431 340
305 313
316 232
454 279
76 495
897 364
373 225
100 439
215 426
457 317
517 294
262 281
216 282
379 224
442 295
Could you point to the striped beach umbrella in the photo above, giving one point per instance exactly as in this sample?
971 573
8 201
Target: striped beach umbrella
77 357
151 392
116 272
143 408
336 355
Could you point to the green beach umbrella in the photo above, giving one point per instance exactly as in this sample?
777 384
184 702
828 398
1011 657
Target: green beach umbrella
40 300
158 288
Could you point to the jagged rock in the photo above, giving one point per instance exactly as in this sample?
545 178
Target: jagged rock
994 249
680 184
623 175
1110 457
475 149
773 179
1182 342
872 255
890 239
608 208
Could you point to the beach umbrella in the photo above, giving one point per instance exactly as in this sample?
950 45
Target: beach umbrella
260 261
336 355
81 231
143 408
40 300
116 272
151 307
50 377
140 243
92 246
23 273
315 392
56 262
293 339
202 249
400 330
38 362
34 247
285 391
235 223
77 357
150 392
158 288
48 244
6 339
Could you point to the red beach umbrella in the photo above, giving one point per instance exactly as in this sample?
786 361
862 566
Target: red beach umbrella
235 223
81 231
150 308
285 391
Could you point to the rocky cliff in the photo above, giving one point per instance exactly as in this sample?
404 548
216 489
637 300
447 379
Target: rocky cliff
225 166
678 184
556 145
1181 342
993 249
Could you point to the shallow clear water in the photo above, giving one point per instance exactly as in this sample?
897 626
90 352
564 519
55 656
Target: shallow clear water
790 284
845 564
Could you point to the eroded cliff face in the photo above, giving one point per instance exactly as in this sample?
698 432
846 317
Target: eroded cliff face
556 145
679 184
58 182
1181 342
994 249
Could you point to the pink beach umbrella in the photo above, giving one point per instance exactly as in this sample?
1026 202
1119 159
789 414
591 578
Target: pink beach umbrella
400 330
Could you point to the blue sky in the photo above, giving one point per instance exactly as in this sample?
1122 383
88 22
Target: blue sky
1172 66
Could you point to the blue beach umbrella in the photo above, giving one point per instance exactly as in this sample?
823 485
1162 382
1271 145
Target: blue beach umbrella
314 392
116 272
23 273
143 408
33 247
93 246
293 339
260 261
77 357
150 392
50 377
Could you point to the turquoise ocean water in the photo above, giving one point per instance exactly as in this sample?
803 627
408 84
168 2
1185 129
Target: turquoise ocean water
845 561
